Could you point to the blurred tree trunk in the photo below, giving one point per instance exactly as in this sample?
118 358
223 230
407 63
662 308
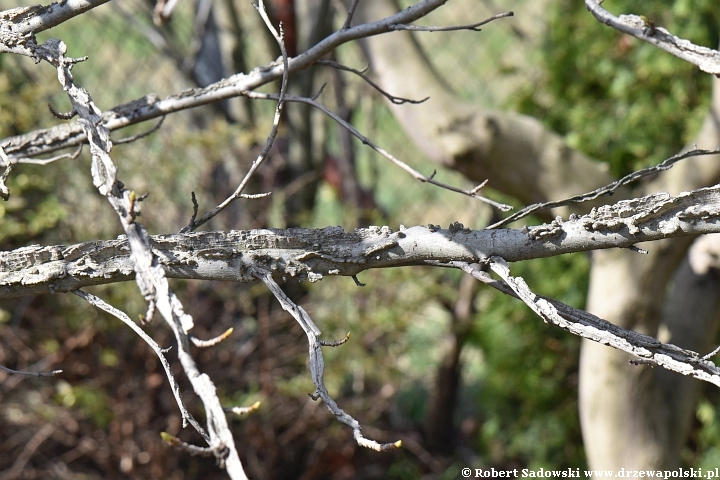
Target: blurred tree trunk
632 417
637 417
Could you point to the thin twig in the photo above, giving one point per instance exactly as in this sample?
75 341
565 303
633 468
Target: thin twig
160 352
193 450
45 161
606 190
317 363
361 74
366 141
243 410
350 13
473 27
337 343
132 138
273 131
30 374
213 341
62 116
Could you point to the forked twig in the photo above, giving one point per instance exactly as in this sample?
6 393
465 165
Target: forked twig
350 13
273 131
366 141
317 363
361 74
606 190
160 352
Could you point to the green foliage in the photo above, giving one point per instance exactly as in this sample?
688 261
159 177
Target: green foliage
526 392
31 209
91 402
617 98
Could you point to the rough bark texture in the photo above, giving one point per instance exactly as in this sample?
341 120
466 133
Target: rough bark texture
632 417
636 418
310 254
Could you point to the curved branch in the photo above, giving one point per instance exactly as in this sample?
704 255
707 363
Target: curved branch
37 18
585 325
640 27
150 107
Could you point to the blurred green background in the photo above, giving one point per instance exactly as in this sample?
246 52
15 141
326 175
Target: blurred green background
515 399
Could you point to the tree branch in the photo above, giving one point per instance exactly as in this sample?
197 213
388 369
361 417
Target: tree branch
311 254
640 27
588 326
607 189
48 140
317 363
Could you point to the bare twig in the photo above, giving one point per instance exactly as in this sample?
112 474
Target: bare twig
361 74
317 363
45 161
62 116
586 325
639 27
213 341
473 27
337 343
273 131
30 374
186 447
150 107
366 141
606 190
133 138
711 354
350 13
243 410
160 352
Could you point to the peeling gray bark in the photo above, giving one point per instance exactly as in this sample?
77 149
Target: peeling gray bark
521 158
312 254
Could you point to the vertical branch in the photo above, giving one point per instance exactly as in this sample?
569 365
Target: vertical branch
273 131
150 275
317 363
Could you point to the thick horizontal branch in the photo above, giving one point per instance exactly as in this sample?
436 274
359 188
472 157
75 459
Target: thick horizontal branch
149 107
312 254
